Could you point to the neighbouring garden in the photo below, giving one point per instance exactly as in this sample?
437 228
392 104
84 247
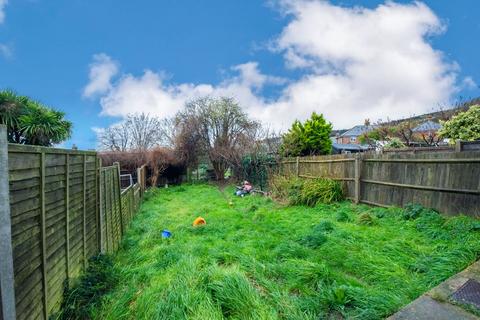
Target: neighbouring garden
259 259
302 254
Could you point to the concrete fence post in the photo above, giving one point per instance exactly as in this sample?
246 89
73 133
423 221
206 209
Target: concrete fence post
7 288
139 179
119 199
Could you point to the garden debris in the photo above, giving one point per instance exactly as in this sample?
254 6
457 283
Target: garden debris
199 222
166 234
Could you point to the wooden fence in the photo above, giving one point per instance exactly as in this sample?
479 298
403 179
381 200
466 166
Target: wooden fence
448 182
59 208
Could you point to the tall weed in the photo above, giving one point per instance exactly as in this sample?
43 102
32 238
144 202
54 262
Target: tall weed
310 192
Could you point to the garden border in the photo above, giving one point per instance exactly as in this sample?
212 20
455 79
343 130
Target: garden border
445 181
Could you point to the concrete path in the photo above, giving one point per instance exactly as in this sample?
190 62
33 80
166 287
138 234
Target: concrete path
437 303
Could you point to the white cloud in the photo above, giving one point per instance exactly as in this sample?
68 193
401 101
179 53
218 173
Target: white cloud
6 51
469 83
356 63
151 94
362 63
102 69
3 4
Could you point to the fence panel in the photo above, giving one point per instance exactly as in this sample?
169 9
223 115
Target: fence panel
62 209
445 181
7 288
339 167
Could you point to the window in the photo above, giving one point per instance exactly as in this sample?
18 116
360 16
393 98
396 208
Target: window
353 139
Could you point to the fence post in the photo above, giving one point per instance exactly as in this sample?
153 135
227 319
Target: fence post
111 195
67 216
100 199
7 288
458 146
358 169
119 199
297 167
43 236
85 212
140 179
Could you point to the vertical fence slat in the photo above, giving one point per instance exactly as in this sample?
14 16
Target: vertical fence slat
43 236
7 288
67 216
119 199
101 244
358 170
112 209
107 241
297 167
85 212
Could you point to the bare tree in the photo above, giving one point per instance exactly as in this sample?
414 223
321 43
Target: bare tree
114 138
221 129
136 132
431 138
144 131
158 159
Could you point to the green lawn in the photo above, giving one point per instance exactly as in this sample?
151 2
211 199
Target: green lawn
256 259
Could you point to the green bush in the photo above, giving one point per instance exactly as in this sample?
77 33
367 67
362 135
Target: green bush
256 167
310 137
463 126
306 192
280 186
321 191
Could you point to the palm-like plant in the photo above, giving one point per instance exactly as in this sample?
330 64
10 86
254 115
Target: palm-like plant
30 122
12 107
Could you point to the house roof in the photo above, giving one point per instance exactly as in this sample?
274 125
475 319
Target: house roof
427 126
350 146
357 131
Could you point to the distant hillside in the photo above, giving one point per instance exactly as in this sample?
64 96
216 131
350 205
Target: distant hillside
443 114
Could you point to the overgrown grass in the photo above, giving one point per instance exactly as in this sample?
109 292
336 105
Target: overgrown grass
256 259
84 296
310 192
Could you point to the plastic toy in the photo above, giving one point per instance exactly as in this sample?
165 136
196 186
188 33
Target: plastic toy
199 222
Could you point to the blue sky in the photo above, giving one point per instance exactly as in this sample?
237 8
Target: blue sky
281 60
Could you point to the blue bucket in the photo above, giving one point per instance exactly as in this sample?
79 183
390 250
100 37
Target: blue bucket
166 234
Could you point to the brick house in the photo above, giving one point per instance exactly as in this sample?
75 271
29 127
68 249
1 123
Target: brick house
352 135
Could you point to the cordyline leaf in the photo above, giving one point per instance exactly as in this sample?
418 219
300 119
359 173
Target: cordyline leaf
30 122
